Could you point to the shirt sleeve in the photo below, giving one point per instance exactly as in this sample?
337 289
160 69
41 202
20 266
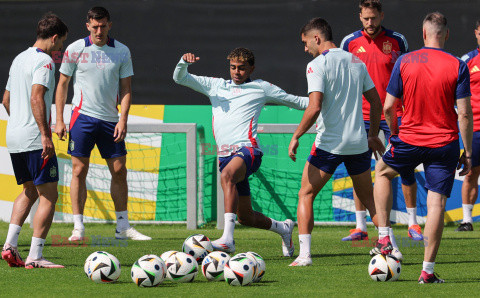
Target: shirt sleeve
463 82
200 84
395 85
126 68
367 81
8 84
277 95
315 78
70 60
44 74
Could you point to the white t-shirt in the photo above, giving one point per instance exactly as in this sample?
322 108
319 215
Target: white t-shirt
29 68
342 78
96 73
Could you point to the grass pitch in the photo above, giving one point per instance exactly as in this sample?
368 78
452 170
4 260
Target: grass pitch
339 269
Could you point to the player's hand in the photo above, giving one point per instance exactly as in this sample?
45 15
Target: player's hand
120 131
48 147
377 147
292 148
467 164
61 130
190 58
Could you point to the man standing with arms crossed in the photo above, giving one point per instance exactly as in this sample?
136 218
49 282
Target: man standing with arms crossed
28 100
379 48
102 72
431 82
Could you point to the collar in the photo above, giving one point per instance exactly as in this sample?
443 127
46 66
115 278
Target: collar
382 32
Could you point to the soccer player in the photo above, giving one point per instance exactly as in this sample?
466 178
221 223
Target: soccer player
336 81
470 184
28 100
236 106
102 70
428 133
379 48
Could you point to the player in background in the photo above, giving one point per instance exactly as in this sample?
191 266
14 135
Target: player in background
470 184
336 81
28 100
102 73
236 107
379 48
428 134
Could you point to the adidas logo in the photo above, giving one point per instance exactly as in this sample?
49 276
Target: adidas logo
361 50
49 66
310 70
474 69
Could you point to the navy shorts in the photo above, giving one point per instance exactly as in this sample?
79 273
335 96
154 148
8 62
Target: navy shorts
86 131
252 158
476 149
439 163
30 166
328 162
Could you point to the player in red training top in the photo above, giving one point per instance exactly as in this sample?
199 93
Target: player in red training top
428 134
470 184
379 48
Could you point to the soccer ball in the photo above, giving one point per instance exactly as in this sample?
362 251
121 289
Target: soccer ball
260 267
384 268
167 254
102 267
239 270
181 267
198 246
213 265
148 271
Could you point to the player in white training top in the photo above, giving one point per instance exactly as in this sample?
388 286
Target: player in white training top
336 81
102 72
28 99
236 107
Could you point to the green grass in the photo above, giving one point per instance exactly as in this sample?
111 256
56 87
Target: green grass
338 268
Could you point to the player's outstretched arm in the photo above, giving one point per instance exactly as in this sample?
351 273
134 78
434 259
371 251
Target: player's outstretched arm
39 112
198 83
374 143
278 96
6 101
60 99
465 123
126 100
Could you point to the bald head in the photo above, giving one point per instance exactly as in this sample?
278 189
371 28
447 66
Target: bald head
435 26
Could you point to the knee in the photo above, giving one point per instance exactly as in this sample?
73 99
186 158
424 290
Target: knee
305 193
226 177
80 170
120 174
31 193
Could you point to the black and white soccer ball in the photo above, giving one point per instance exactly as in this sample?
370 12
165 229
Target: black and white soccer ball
148 271
102 267
213 265
384 268
239 270
181 267
198 246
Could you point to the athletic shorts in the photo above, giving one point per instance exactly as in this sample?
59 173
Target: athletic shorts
86 131
476 149
439 163
328 162
407 179
30 166
252 158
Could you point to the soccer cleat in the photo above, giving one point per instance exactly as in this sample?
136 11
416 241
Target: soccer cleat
464 227
397 254
11 255
287 242
40 263
220 245
302 261
77 235
356 235
132 234
426 278
415 232
384 247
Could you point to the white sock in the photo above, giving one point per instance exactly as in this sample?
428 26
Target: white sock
392 238
412 216
383 232
78 222
122 220
305 243
229 227
12 236
467 213
278 227
36 248
361 217
428 267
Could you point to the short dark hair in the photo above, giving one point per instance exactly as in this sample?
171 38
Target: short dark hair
438 20
98 13
374 4
243 55
320 25
49 25
477 24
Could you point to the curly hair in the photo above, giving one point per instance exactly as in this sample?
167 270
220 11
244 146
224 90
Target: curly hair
243 55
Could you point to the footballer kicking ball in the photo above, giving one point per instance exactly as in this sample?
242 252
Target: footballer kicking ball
213 265
239 270
148 271
198 246
181 267
384 268
260 270
167 254
102 267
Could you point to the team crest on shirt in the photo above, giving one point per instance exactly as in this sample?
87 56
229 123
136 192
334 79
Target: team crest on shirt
387 47
236 90
53 171
71 145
